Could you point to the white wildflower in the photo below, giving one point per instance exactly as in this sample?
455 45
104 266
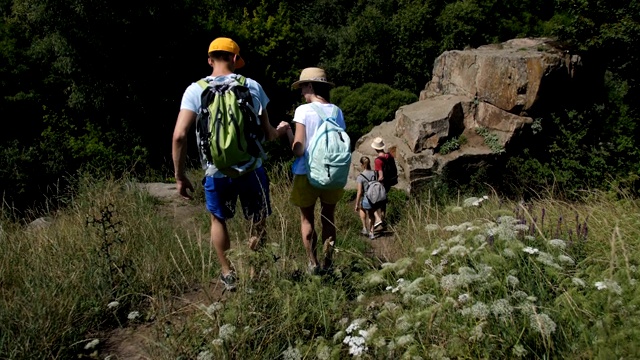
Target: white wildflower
91 344
404 340
205 355
472 201
463 298
530 250
479 310
558 243
133 315
451 228
566 260
633 268
519 351
578 282
508 253
356 345
501 309
217 342
375 278
356 325
458 239
521 227
458 250
323 352
609 285
207 331
519 294
512 281
113 304
542 323
432 227
449 282
213 308
527 308
226 331
477 334
291 354
529 237
479 239
379 342
403 323
428 262
548 260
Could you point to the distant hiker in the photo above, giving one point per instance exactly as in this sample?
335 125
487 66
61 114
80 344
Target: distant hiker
385 168
235 170
318 117
365 209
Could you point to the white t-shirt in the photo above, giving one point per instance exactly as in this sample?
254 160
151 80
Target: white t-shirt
307 116
191 100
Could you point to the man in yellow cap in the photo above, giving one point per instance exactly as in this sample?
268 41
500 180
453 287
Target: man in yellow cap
222 192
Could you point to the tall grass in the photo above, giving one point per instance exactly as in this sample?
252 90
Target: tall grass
477 278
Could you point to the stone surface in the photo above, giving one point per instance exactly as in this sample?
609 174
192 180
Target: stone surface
494 87
512 76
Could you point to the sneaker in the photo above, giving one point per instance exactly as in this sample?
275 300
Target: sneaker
229 281
372 236
313 269
379 226
364 232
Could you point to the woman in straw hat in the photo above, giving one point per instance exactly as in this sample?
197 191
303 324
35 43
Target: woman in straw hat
315 89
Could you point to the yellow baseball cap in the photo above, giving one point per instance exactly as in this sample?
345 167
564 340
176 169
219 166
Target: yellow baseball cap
228 45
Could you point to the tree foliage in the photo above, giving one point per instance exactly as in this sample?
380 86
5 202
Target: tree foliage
99 83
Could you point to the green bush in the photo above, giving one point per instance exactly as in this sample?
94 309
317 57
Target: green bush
368 106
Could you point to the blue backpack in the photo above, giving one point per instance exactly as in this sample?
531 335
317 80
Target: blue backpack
329 153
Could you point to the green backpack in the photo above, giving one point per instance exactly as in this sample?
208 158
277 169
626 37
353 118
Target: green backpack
228 128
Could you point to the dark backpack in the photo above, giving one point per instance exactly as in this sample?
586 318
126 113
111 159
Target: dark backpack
228 128
389 171
374 190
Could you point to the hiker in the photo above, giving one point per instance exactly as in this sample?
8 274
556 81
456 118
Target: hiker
222 191
315 89
385 168
367 211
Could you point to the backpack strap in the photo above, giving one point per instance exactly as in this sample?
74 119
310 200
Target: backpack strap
323 116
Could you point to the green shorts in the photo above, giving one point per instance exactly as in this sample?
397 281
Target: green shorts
304 195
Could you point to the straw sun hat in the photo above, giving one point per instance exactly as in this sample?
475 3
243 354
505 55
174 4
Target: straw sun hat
378 143
312 74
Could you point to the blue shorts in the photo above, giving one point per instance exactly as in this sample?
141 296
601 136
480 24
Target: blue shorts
222 194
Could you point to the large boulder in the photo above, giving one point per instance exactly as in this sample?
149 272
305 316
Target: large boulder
479 100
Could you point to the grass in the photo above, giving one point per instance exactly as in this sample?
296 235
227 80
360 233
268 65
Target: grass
475 278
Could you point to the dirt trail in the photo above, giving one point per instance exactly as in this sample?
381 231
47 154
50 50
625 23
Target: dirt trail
132 343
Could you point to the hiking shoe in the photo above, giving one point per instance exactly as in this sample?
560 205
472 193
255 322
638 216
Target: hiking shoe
327 251
229 281
379 226
364 232
372 236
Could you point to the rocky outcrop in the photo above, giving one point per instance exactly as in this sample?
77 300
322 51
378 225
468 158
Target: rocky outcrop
476 104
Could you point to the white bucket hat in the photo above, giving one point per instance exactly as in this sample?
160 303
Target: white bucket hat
378 143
